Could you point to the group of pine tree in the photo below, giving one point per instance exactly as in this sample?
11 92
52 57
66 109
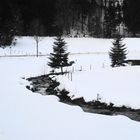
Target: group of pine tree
59 58
96 18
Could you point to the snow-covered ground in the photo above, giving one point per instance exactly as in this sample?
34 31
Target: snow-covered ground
118 85
27 46
30 116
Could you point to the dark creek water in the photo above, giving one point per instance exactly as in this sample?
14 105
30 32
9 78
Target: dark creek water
46 85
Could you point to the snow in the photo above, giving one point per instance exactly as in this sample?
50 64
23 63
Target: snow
27 46
117 85
31 116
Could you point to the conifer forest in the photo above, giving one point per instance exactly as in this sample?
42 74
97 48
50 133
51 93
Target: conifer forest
71 18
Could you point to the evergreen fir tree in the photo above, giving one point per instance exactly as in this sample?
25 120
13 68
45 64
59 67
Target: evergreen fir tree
118 53
59 57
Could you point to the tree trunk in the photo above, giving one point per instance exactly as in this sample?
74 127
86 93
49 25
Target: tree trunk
134 34
37 46
61 69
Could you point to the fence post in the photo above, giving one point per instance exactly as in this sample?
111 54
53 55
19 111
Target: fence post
72 69
68 75
90 67
71 76
81 68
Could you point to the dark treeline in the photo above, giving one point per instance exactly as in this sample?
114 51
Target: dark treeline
97 18
29 17
131 9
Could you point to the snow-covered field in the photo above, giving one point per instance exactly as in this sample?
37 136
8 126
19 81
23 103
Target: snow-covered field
30 116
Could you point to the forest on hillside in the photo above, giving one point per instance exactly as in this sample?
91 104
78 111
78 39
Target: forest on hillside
73 18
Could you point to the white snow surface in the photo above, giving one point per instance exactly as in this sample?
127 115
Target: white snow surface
30 116
27 46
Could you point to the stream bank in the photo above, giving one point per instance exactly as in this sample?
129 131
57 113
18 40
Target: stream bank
48 85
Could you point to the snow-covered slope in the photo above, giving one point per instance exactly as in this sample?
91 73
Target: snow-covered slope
30 116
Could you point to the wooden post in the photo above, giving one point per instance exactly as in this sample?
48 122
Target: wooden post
71 76
72 69
90 67
10 50
81 68
68 75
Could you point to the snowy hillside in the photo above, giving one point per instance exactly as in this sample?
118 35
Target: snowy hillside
31 116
